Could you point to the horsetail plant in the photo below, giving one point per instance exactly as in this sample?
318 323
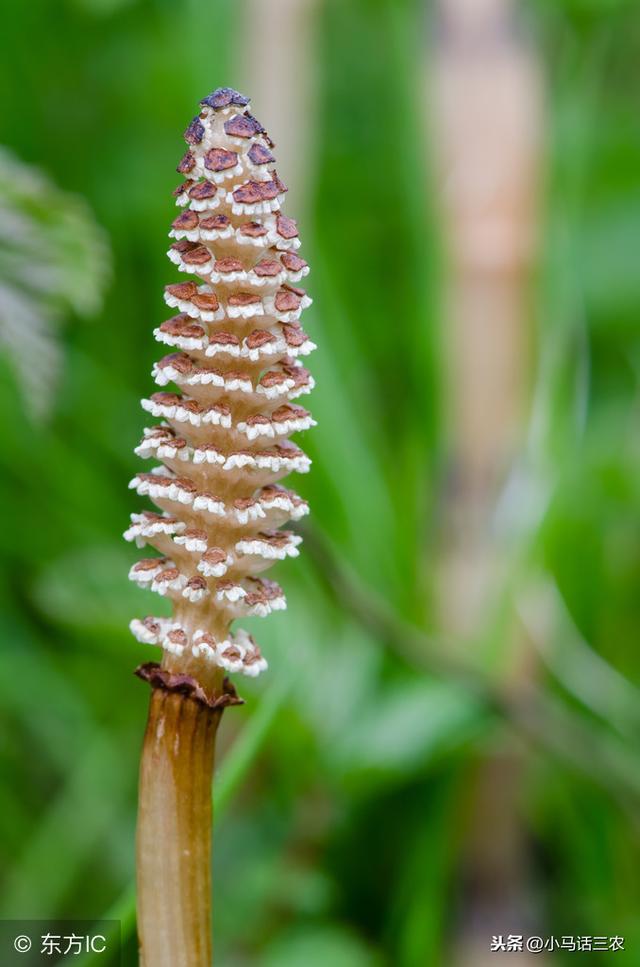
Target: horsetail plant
222 446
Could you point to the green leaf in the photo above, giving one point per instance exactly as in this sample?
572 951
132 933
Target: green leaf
54 259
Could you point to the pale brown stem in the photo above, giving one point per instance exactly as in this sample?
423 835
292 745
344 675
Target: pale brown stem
489 119
174 832
288 30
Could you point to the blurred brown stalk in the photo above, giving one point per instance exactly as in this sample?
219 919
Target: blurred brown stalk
286 81
487 121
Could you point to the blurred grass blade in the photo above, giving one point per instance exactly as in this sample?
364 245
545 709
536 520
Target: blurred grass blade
580 669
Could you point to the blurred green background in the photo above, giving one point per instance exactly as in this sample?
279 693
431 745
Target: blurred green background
401 785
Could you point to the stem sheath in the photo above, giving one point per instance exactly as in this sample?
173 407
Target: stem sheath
174 832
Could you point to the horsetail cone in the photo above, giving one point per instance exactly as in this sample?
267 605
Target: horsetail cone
222 444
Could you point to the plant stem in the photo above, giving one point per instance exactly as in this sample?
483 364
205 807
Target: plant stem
174 831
